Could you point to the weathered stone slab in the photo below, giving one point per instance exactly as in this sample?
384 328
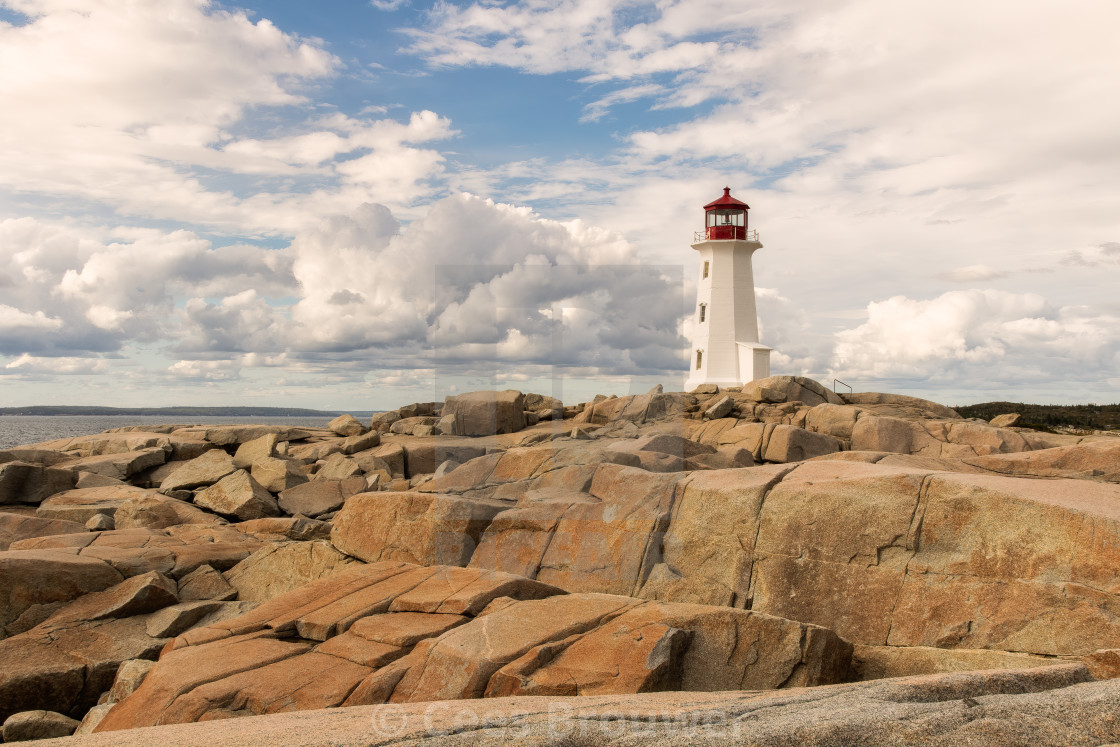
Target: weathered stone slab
412 527
40 577
486 413
14 527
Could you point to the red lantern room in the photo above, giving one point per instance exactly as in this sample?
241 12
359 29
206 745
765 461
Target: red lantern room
726 218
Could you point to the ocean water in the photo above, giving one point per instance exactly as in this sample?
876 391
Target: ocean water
16 430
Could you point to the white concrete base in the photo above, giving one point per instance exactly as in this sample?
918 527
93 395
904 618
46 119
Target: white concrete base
754 363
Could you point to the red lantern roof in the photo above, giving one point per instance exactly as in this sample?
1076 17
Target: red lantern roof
727 201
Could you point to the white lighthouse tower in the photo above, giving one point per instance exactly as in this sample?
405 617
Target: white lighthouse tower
725 346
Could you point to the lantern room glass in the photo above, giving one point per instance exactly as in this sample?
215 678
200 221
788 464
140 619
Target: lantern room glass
726 223
727 218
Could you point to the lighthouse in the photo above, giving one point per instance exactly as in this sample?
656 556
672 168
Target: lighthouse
725 346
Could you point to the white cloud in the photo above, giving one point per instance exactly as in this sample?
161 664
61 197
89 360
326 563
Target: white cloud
204 370
474 283
472 286
388 4
142 107
28 365
979 338
78 291
22 326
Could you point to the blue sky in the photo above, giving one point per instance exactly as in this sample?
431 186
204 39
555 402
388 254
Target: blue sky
366 203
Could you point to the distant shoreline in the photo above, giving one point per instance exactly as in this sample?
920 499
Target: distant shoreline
260 412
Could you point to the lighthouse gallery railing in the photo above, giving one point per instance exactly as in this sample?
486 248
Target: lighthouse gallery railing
749 235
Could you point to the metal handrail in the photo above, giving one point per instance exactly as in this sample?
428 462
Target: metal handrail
841 383
698 236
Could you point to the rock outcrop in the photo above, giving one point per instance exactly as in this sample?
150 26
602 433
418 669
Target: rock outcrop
1054 705
484 413
395 632
776 535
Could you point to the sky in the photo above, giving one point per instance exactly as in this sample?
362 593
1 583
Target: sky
364 203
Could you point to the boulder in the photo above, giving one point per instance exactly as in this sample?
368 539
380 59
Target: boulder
882 434
83 504
129 676
64 664
486 413
155 511
423 458
446 466
94 480
33 578
205 584
407 426
638 408
179 618
23 482
252 451
176 551
787 443
346 425
31 725
834 420
361 442
320 496
383 421
138 595
1005 421
708 548
412 527
31 455
298 528
234 435
338 467
93 718
200 471
393 455
15 527
120 466
277 569
239 495
276 475
100 523
725 457
720 409
790 389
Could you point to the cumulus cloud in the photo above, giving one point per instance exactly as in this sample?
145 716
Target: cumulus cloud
82 292
204 370
28 365
474 282
473 286
870 130
146 107
982 337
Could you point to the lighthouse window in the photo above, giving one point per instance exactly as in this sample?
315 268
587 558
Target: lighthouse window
727 218
703 311
699 358
705 269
